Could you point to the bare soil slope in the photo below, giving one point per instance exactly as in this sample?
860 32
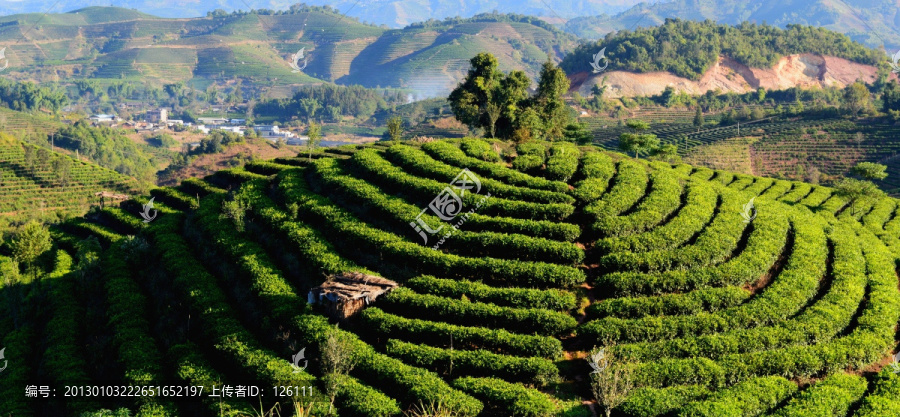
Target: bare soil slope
802 70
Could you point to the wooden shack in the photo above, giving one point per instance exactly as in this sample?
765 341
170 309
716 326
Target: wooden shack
104 195
347 293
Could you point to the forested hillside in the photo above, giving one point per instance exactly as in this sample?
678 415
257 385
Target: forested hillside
688 48
871 23
572 270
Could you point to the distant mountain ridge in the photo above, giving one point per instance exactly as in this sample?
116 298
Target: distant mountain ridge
116 43
392 13
275 50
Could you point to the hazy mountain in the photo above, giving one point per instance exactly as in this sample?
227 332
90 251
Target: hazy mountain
871 22
122 44
393 13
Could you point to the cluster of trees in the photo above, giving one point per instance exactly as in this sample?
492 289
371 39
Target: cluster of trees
162 140
41 158
331 102
216 141
855 99
415 112
297 8
109 148
641 143
178 96
116 90
27 96
689 48
486 17
501 106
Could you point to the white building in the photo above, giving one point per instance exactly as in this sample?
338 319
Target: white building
212 120
228 128
272 132
103 118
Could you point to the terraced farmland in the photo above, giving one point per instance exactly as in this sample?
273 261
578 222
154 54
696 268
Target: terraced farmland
28 190
786 147
791 311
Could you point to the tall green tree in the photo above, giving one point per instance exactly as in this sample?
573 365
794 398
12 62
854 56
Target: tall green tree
760 94
698 118
62 167
314 134
856 98
470 99
395 128
29 157
31 243
475 101
552 86
890 98
43 158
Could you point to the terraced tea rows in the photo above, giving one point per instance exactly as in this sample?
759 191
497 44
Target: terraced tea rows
36 186
713 310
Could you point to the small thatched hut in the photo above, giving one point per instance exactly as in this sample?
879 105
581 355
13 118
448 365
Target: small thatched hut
347 293
104 195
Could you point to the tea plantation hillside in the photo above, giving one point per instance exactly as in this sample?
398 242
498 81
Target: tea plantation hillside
37 182
114 45
781 146
710 307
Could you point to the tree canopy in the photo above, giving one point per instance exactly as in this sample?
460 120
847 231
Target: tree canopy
689 48
31 243
637 142
500 104
870 170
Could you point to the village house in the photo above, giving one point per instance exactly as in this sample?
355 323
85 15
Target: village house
272 132
212 120
157 116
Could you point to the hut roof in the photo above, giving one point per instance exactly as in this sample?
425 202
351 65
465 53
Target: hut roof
108 194
353 285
